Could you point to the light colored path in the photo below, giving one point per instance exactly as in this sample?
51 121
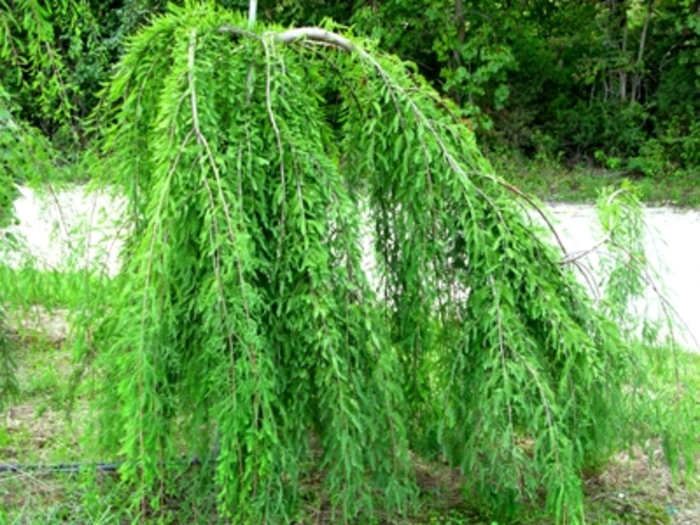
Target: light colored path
74 227
672 246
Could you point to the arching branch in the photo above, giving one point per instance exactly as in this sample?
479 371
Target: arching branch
316 34
311 34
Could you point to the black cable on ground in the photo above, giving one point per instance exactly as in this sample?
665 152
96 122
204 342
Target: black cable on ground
69 468
75 468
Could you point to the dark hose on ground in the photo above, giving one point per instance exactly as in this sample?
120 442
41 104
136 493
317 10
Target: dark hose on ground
75 468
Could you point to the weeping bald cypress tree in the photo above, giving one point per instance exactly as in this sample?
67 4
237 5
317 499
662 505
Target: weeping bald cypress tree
248 327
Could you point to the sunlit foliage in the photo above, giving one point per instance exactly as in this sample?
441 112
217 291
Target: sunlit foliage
249 331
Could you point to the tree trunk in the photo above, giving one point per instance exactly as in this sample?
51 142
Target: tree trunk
617 42
623 53
252 12
619 25
638 73
457 51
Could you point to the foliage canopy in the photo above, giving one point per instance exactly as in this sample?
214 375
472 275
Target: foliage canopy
249 331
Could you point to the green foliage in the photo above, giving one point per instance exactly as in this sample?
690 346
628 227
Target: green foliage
625 266
246 329
8 194
254 323
627 276
26 156
9 388
8 135
592 76
53 58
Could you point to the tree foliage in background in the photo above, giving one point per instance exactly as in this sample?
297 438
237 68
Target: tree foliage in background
248 332
570 77
584 81
53 57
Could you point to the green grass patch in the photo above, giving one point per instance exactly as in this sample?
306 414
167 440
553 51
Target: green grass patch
552 181
28 286
635 487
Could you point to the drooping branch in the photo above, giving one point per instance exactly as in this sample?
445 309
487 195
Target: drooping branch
263 304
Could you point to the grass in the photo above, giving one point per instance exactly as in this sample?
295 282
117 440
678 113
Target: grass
634 488
552 181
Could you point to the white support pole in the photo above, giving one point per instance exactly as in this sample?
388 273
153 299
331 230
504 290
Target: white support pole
252 12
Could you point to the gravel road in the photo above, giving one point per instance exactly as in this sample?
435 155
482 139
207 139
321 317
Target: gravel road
73 227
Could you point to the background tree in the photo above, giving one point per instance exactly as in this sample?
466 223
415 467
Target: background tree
585 81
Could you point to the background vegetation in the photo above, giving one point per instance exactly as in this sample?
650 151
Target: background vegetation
610 85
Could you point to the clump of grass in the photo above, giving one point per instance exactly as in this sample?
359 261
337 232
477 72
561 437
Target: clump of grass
551 180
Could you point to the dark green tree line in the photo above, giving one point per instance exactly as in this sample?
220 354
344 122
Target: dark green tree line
580 79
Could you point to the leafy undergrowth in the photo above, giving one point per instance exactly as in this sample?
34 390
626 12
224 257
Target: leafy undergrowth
635 487
552 181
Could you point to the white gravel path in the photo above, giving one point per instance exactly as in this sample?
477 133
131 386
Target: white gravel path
673 249
73 227
67 229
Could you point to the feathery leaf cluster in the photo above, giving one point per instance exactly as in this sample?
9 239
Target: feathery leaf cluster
249 330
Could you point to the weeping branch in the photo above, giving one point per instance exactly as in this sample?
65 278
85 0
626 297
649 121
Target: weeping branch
258 322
